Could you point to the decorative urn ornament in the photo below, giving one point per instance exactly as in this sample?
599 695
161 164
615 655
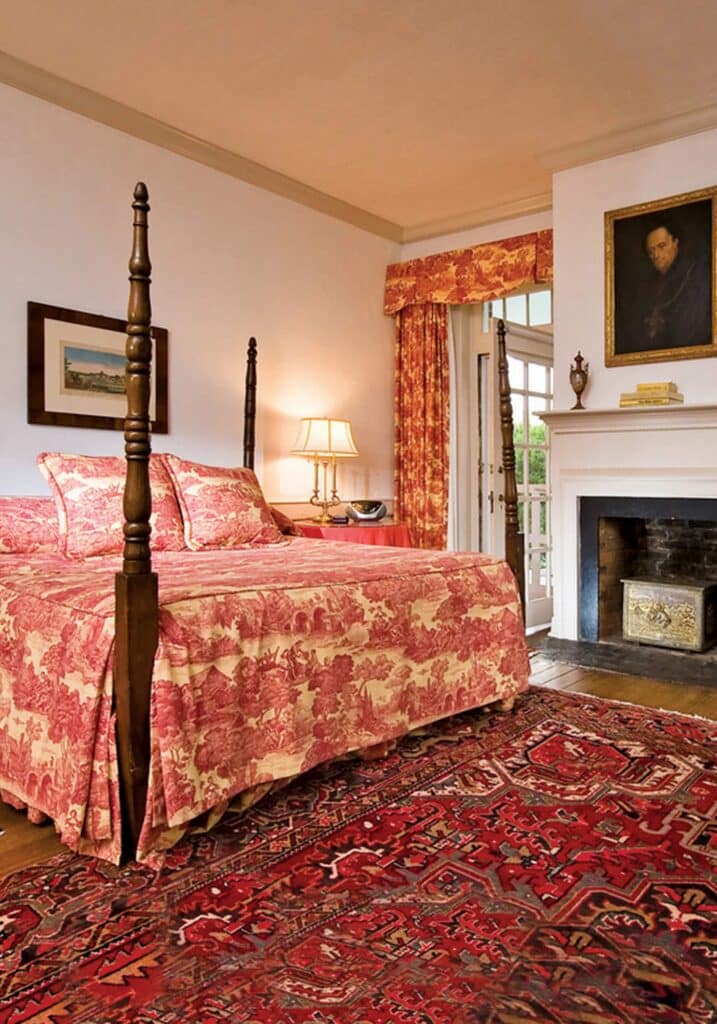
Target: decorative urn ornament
579 378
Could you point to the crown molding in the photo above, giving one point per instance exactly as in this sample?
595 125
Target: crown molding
63 93
54 89
666 129
476 218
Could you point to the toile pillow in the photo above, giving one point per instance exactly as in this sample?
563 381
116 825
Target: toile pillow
221 508
88 491
28 526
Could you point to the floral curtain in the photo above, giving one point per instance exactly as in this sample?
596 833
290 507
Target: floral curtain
477 274
418 293
421 422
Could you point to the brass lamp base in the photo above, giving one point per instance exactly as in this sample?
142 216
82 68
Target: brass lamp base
326 502
323 517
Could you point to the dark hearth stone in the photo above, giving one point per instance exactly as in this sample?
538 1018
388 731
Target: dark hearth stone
635 660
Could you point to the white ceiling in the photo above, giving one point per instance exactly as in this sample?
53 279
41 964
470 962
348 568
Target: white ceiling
426 115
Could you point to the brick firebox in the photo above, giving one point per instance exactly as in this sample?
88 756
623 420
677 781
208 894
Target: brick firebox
659 538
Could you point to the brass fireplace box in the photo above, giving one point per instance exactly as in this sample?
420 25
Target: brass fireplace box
671 614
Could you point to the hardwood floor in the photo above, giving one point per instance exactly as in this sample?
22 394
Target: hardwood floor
651 693
23 844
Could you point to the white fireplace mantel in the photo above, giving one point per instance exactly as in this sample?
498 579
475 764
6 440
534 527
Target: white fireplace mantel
652 451
671 417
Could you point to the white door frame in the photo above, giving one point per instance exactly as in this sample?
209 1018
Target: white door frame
530 345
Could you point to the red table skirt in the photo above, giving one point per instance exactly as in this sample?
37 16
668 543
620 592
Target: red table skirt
395 535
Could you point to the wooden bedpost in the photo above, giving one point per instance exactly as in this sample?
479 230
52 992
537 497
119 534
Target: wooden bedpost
514 540
136 603
250 404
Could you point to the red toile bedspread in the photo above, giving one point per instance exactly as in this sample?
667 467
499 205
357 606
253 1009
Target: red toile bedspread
270 660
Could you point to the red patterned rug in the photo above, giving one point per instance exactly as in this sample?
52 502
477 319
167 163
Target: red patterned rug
551 865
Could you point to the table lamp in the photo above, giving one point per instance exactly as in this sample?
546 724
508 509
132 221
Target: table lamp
324 440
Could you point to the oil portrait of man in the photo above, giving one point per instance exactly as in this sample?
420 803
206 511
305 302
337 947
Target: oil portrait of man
660 281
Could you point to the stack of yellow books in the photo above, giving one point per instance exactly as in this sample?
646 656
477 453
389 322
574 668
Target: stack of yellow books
657 393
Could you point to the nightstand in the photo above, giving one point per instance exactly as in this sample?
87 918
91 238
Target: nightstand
391 534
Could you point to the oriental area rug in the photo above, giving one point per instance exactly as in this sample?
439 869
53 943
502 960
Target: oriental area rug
551 865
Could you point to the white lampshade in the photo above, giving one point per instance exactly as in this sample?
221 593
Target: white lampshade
322 436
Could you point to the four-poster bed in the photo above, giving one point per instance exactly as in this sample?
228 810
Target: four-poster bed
229 670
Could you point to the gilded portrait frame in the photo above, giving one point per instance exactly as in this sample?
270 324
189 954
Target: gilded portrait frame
626 346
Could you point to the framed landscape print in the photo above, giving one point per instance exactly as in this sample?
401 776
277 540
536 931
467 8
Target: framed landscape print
76 370
660 280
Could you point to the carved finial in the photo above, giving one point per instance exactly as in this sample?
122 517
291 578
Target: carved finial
250 404
137 497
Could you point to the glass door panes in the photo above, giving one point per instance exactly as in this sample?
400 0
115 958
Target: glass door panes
532 393
530 309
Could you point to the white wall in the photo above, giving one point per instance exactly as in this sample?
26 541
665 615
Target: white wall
476 236
230 260
626 452
580 198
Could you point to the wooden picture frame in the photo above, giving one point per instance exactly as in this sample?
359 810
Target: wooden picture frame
660 288
76 370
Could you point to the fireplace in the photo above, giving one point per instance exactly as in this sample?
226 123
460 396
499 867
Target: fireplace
625 457
672 540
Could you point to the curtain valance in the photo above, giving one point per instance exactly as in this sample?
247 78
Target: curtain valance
477 274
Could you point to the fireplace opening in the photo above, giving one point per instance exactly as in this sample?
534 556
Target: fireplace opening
655 582
665 540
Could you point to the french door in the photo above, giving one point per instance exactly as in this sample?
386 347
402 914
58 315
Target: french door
531 381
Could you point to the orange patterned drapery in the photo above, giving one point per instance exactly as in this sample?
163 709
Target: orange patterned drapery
419 292
421 422
477 274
